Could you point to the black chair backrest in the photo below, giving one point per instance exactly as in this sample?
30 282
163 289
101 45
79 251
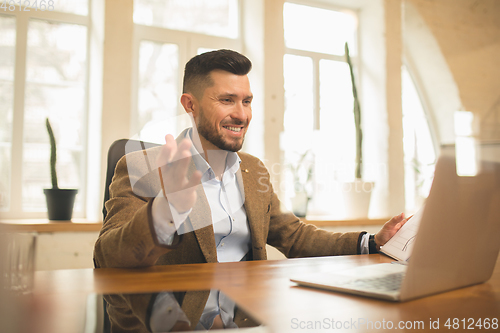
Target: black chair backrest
116 151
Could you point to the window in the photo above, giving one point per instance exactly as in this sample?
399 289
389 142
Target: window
210 17
43 76
318 102
321 30
158 89
7 60
168 34
418 145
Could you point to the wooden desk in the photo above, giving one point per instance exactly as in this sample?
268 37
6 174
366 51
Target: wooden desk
264 290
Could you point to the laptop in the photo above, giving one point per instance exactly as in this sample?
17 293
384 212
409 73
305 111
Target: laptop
456 245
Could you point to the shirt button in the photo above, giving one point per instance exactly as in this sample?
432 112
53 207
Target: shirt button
222 244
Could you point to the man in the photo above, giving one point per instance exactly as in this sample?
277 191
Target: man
210 203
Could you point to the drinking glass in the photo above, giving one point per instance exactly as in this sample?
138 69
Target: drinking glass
17 262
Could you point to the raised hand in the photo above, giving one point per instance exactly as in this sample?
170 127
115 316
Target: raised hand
173 163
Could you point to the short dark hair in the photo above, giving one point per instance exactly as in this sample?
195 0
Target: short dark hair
198 69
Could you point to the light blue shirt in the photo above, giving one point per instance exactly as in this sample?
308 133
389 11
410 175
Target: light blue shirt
232 234
229 219
225 198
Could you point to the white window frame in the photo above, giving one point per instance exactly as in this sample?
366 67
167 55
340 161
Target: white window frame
316 58
22 20
414 77
188 43
417 82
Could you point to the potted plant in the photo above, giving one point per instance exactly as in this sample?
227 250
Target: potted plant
59 201
357 194
302 176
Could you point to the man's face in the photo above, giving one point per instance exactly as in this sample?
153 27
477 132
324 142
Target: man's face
225 111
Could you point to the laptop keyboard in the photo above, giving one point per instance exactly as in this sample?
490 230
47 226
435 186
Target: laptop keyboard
390 282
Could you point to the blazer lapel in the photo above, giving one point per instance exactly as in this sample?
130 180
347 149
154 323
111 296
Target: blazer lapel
253 209
201 222
193 305
200 218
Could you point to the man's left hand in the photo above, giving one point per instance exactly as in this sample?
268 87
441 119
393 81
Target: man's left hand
389 229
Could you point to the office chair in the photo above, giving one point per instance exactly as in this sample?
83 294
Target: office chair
117 150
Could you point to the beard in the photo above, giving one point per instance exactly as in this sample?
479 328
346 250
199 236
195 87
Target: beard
207 131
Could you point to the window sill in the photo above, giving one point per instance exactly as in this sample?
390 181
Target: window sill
319 221
77 225
44 225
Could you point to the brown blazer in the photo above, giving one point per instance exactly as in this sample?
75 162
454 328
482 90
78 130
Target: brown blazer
128 239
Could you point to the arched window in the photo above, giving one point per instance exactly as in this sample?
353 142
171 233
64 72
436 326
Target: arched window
418 144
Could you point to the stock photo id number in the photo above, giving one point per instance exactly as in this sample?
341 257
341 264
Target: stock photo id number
27 5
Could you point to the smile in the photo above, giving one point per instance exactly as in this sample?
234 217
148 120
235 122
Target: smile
234 129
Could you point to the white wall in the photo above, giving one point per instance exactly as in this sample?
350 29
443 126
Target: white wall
65 250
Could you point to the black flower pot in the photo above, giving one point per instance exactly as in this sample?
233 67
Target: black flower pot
60 203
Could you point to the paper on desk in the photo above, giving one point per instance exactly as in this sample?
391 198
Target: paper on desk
400 245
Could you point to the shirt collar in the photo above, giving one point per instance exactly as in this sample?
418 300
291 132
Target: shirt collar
232 160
